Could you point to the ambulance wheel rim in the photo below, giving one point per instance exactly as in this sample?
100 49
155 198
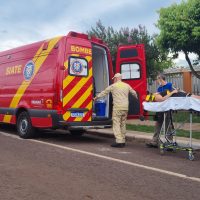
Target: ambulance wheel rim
23 126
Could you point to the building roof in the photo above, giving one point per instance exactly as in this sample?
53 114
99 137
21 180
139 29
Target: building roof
173 70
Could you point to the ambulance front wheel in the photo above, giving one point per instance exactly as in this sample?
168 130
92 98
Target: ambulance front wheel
24 126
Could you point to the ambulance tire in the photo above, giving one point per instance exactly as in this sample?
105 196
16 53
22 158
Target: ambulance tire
77 133
24 126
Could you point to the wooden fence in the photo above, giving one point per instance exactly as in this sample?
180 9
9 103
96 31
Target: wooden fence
195 85
184 80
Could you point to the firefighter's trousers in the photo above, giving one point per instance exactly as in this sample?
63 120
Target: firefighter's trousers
119 118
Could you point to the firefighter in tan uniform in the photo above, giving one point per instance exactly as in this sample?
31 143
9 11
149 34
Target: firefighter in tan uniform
120 92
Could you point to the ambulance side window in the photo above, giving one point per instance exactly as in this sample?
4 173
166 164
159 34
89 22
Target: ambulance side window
78 66
130 71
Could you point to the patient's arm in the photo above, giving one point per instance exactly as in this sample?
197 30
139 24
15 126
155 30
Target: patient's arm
159 98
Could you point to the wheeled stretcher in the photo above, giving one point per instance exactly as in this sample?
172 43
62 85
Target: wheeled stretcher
170 108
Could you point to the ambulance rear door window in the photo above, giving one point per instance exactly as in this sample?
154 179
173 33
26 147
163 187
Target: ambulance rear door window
128 53
130 71
78 66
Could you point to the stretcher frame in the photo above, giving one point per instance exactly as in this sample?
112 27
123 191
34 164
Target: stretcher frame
172 145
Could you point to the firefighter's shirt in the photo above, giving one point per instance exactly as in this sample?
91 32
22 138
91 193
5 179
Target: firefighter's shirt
120 92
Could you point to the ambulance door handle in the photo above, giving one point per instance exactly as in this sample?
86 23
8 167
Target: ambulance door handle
62 67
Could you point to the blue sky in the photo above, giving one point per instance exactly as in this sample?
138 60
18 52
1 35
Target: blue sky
27 21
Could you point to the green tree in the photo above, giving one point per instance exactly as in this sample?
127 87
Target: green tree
156 59
179 27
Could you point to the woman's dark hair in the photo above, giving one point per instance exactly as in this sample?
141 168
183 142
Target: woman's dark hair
161 76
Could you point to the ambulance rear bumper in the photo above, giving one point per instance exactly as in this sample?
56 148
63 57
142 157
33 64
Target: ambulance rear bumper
87 125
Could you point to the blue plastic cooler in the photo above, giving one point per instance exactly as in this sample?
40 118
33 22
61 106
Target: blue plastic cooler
100 108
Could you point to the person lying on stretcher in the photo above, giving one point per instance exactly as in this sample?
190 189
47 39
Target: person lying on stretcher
162 96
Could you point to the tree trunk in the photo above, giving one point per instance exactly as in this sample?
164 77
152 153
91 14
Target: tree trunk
190 65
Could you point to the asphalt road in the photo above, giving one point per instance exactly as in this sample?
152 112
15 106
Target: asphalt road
57 166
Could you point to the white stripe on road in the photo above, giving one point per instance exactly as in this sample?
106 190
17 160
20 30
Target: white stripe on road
110 158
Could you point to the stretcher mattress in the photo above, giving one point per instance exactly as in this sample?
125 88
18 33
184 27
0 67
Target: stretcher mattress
173 103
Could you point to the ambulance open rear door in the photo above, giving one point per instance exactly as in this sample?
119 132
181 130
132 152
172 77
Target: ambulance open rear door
131 64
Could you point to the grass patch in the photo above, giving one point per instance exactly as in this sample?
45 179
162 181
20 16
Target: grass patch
150 129
140 128
181 117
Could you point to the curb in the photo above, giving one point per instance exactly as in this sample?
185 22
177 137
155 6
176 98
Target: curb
130 136
139 137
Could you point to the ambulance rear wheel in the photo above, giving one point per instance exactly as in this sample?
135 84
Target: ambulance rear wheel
77 132
24 126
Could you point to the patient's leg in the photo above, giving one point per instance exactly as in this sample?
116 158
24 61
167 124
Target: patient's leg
195 96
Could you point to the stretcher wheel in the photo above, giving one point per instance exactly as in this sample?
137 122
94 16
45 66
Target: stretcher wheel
162 149
190 156
174 149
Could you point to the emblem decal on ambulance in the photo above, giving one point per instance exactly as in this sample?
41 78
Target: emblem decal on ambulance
29 70
77 67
